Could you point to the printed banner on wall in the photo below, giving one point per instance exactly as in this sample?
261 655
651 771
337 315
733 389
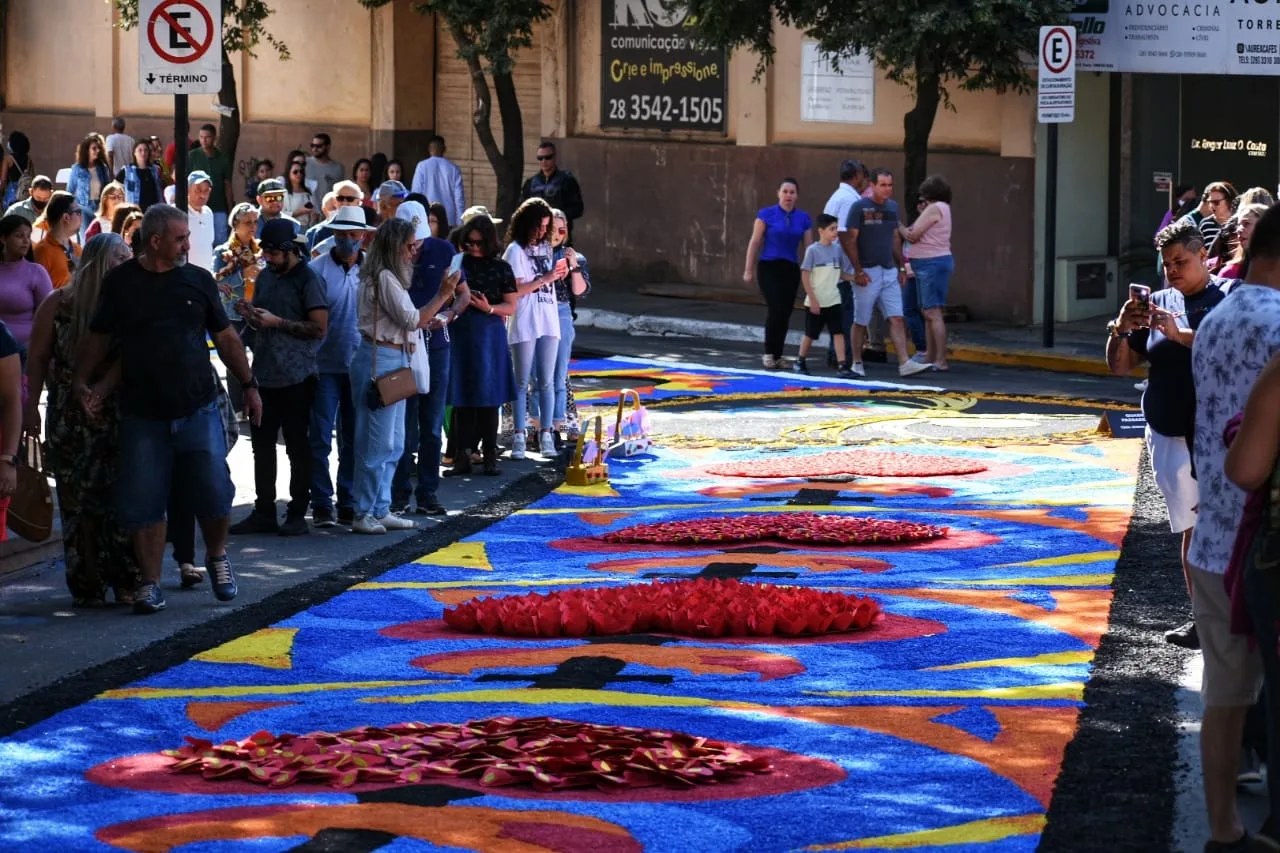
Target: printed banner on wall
1178 36
654 76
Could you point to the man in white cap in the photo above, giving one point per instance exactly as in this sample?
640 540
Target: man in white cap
200 220
339 269
424 414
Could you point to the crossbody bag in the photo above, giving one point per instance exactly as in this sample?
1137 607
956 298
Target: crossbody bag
394 385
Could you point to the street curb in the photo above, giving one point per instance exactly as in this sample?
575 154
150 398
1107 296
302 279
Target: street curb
652 325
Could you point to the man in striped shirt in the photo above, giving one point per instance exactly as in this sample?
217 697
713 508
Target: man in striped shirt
1216 207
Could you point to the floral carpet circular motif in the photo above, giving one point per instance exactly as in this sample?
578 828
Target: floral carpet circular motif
797 527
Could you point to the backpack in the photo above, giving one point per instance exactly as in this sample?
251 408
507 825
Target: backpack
24 182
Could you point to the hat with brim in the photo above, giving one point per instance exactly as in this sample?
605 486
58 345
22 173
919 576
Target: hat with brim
348 219
281 235
478 210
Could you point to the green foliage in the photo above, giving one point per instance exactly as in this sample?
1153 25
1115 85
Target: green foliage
243 25
490 32
976 44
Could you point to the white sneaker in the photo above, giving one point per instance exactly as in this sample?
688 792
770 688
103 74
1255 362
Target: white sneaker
770 362
395 522
911 368
547 443
517 445
858 369
1141 386
368 526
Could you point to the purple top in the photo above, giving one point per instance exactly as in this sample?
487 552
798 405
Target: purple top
23 286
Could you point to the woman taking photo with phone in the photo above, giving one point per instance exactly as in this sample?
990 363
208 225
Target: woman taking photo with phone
1158 328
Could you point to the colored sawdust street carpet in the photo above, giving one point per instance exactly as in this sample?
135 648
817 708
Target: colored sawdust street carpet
915 686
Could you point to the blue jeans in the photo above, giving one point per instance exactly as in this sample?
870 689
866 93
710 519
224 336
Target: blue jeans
221 231
379 434
186 457
423 426
567 334
332 408
536 359
911 313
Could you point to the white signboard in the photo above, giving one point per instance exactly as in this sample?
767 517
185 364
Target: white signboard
846 95
1056 91
180 47
1183 37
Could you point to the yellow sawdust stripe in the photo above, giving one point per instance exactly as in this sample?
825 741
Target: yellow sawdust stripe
565 696
1066 690
974 832
471 583
1051 659
1060 580
261 689
1065 560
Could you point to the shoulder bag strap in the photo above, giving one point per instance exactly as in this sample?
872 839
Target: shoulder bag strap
377 303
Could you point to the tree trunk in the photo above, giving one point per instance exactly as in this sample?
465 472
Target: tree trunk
229 125
917 125
512 174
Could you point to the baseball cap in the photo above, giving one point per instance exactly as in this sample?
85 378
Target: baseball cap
413 212
199 177
478 210
271 185
390 189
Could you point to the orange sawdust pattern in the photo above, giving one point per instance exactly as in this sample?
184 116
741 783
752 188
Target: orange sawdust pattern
866 463
544 753
700 607
1028 750
461 827
212 716
697 660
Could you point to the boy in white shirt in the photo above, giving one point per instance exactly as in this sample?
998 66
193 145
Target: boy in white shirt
825 265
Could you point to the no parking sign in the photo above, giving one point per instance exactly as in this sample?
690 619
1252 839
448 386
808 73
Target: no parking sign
180 47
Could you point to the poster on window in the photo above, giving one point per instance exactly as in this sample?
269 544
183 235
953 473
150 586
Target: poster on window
844 94
654 75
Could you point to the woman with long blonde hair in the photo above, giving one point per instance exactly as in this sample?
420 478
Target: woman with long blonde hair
83 452
389 326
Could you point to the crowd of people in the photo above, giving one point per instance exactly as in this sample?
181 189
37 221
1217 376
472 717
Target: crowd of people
1210 335
859 266
347 309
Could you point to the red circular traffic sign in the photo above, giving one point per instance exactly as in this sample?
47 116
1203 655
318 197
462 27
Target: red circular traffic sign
163 15
1056 32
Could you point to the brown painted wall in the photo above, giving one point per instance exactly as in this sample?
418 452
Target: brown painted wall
675 213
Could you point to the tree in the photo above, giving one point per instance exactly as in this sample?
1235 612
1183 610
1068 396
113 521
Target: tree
487 36
243 30
926 45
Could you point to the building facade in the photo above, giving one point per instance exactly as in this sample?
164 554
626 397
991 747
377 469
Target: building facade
672 172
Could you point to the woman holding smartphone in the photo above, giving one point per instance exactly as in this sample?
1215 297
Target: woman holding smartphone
298 200
1159 328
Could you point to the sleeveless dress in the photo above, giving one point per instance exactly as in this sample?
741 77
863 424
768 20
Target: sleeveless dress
84 457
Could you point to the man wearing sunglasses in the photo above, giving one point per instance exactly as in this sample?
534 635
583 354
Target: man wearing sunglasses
322 172
345 194
558 187
271 194
1216 207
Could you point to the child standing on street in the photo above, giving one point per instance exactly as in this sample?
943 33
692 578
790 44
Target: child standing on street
825 265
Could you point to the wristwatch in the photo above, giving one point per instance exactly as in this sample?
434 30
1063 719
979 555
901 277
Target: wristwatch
252 383
1113 330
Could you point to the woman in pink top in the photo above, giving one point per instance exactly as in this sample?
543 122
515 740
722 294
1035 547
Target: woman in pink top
931 261
23 284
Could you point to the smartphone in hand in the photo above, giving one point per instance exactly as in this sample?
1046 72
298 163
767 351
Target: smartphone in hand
1140 293
456 263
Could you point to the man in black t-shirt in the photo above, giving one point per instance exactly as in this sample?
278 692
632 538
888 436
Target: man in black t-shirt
157 311
1160 331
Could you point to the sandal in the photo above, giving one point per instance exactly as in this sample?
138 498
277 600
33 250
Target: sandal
191 576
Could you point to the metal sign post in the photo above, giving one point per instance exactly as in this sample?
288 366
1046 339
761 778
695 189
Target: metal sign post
1056 103
180 54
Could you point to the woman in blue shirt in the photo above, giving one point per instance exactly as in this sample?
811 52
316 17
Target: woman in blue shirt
778 239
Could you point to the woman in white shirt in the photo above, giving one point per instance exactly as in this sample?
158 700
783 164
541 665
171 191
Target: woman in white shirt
534 330
298 201
388 322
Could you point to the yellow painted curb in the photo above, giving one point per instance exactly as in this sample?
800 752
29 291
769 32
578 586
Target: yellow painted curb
1031 359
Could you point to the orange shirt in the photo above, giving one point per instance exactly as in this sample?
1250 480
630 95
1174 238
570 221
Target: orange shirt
52 257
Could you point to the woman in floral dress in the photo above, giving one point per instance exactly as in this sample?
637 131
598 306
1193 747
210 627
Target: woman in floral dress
82 452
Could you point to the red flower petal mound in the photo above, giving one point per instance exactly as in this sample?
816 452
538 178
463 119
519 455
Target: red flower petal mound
791 527
539 752
866 463
702 607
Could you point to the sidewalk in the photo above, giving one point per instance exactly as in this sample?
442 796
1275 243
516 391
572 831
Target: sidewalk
1078 347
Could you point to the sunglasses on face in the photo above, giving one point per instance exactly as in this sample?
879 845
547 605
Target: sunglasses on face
273 196
546 157
315 145
562 231
75 211
349 199
471 244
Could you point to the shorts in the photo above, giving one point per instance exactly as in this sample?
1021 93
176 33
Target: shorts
933 278
187 455
1171 464
883 290
829 319
1232 671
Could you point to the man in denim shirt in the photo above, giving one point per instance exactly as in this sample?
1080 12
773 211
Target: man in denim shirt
424 413
339 268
